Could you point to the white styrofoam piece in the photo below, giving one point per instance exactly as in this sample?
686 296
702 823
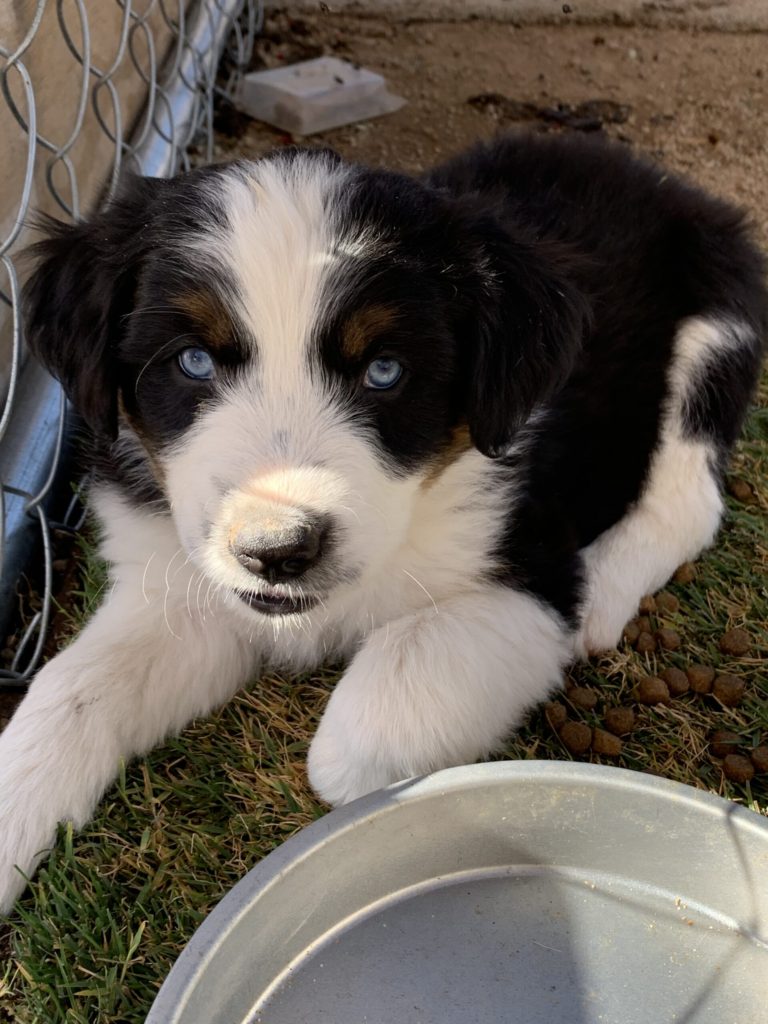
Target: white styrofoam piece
315 95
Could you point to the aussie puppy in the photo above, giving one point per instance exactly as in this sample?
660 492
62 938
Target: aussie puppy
450 429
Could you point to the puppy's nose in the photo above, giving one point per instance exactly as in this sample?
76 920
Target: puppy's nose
280 557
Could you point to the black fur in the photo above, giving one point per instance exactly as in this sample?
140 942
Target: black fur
648 251
98 317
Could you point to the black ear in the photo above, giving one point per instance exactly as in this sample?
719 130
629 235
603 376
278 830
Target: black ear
524 335
83 284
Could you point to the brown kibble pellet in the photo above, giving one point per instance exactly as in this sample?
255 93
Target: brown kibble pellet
676 680
652 690
647 604
645 643
728 689
576 736
644 623
605 743
723 742
685 573
741 490
59 565
667 603
759 758
738 768
583 697
619 721
700 677
631 632
555 714
735 641
668 639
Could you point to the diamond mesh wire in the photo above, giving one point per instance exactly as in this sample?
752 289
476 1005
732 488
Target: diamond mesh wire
135 83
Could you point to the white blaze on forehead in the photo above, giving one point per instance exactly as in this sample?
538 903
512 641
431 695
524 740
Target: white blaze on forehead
281 246
277 437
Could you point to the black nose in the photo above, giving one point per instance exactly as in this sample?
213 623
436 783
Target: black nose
283 556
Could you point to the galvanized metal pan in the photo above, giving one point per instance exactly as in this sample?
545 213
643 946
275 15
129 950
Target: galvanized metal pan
506 893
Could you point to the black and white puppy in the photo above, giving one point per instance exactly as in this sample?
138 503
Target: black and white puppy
450 429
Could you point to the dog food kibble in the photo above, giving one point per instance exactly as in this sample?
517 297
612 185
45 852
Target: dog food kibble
652 690
605 743
668 639
759 758
728 689
583 697
644 623
667 603
631 632
700 677
647 604
685 573
741 490
676 680
735 641
619 721
576 736
645 643
738 768
556 714
723 742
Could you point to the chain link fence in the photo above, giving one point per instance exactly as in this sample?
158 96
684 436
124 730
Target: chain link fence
89 88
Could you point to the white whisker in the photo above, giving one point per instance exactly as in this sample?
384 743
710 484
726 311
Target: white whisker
420 584
144 578
154 356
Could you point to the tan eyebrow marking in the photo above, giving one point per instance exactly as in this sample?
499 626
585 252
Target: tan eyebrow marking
363 326
207 310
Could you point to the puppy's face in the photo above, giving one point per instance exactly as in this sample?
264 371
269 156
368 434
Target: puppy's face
291 346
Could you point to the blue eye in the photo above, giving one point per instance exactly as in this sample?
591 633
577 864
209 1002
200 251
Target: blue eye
197 364
383 373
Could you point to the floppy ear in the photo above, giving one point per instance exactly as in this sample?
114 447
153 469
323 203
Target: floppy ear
83 284
524 335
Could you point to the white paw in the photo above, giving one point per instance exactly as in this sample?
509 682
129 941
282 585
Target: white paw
607 610
367 738
434 690
23 842
339 775
601 629
12 882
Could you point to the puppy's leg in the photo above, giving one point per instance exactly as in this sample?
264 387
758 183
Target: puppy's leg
710 377
674 520
146 664
438 688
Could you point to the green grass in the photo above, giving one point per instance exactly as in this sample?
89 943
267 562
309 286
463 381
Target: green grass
111 908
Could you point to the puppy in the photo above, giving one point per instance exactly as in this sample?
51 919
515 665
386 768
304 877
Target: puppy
449 429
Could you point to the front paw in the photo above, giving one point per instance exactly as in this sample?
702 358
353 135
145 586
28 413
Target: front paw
372 733
12 883
343 764
19 852
598 635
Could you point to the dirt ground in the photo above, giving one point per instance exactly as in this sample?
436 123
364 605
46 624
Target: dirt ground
695 100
